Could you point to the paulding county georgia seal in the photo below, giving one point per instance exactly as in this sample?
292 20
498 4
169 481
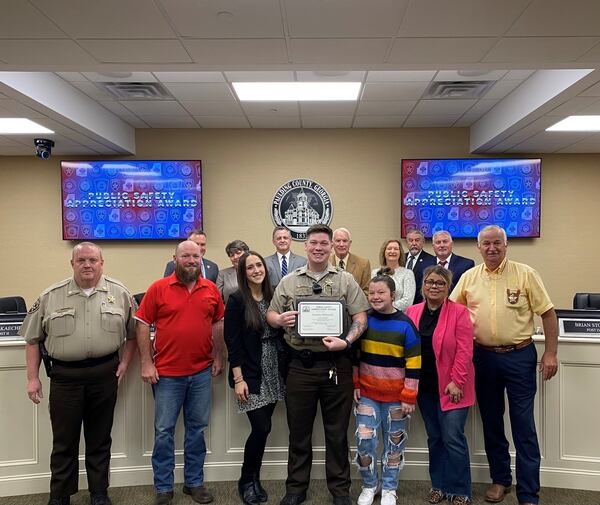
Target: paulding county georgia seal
300 203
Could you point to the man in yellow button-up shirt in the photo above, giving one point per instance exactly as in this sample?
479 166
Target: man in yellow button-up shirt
502 297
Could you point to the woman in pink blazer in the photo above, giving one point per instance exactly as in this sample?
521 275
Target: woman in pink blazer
446 386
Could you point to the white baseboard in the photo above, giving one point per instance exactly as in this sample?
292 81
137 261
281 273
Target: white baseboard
277 470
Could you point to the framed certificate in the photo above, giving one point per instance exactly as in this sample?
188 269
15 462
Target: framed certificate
319 318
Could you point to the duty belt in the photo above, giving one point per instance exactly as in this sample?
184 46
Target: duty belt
308 357
84 363
505 348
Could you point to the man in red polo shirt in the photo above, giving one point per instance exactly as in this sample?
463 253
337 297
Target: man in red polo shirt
187 312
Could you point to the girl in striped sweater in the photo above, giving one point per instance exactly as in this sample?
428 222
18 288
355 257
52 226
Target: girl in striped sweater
386 380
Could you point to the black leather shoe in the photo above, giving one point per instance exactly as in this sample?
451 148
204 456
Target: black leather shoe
100 499
63 500
260 491
342 500
293 499
163 498
247 493
199 494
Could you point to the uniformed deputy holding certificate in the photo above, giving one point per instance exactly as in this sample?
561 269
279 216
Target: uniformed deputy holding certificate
320 318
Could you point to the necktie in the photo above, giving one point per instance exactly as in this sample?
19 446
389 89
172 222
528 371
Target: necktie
283 266
341 264
202 269
411 262
443 263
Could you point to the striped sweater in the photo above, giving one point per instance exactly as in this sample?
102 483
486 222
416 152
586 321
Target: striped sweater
389 359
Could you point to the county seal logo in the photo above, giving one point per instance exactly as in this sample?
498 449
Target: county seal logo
300 203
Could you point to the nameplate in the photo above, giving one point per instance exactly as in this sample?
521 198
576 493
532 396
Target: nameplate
579 327
10 330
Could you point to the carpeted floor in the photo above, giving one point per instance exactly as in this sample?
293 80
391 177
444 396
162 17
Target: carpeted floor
409 493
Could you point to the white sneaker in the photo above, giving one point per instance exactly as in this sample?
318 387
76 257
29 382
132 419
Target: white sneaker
367 495
388 497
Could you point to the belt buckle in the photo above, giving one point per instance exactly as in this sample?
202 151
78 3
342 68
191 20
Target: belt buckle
503 349
307 358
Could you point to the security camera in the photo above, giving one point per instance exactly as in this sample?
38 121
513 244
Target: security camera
43 148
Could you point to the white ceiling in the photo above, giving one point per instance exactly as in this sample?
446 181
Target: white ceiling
542 55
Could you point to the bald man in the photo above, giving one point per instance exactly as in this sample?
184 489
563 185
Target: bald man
187 312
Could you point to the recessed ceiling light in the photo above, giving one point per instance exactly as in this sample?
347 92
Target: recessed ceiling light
577 124
116 75
296 91
20 125
472 73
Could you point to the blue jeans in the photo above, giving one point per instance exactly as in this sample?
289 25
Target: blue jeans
516 373
449 465
372 416
193 393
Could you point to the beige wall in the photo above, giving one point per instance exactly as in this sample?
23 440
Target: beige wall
243 168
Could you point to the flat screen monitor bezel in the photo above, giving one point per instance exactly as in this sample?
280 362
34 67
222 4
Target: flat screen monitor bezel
512 237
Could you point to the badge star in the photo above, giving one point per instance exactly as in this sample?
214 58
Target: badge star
111 299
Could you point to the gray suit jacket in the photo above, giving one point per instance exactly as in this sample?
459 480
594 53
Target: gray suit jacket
227 282
274 269
211 269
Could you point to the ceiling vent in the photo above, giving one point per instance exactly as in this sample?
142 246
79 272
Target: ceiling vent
136 90
457 89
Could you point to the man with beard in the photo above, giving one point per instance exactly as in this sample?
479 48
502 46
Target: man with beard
417 259
209 269
81 322
187 312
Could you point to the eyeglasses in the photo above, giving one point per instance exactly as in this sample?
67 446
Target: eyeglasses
317 288
437 284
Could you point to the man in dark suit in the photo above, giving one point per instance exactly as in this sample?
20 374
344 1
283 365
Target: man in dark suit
417 259
442 247
360 268
284 260
209 269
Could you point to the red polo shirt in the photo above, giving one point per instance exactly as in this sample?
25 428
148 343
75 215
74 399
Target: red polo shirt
183 320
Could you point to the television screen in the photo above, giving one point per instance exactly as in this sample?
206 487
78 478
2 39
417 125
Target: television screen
462 196
130 200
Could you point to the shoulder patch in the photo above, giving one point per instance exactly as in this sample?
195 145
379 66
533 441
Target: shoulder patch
34 307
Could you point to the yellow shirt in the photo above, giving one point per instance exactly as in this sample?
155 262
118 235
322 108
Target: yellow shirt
502 303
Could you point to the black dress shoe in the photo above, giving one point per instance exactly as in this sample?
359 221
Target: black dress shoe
342 500
248 493
99 499
260 491
63 500
293 499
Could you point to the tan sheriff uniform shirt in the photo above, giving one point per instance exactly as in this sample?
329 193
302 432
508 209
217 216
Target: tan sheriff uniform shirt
74 326
502 302
336 284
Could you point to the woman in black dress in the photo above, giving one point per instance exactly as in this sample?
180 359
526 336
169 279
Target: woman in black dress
254 366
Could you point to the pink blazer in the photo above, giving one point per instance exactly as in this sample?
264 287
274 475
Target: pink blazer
453 349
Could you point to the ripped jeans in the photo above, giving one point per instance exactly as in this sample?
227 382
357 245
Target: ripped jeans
373 417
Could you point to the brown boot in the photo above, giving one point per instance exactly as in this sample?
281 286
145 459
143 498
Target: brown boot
496 492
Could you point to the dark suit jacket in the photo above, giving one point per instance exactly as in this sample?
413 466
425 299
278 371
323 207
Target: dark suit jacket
274 269
458 266
424 260
360 268
211 269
